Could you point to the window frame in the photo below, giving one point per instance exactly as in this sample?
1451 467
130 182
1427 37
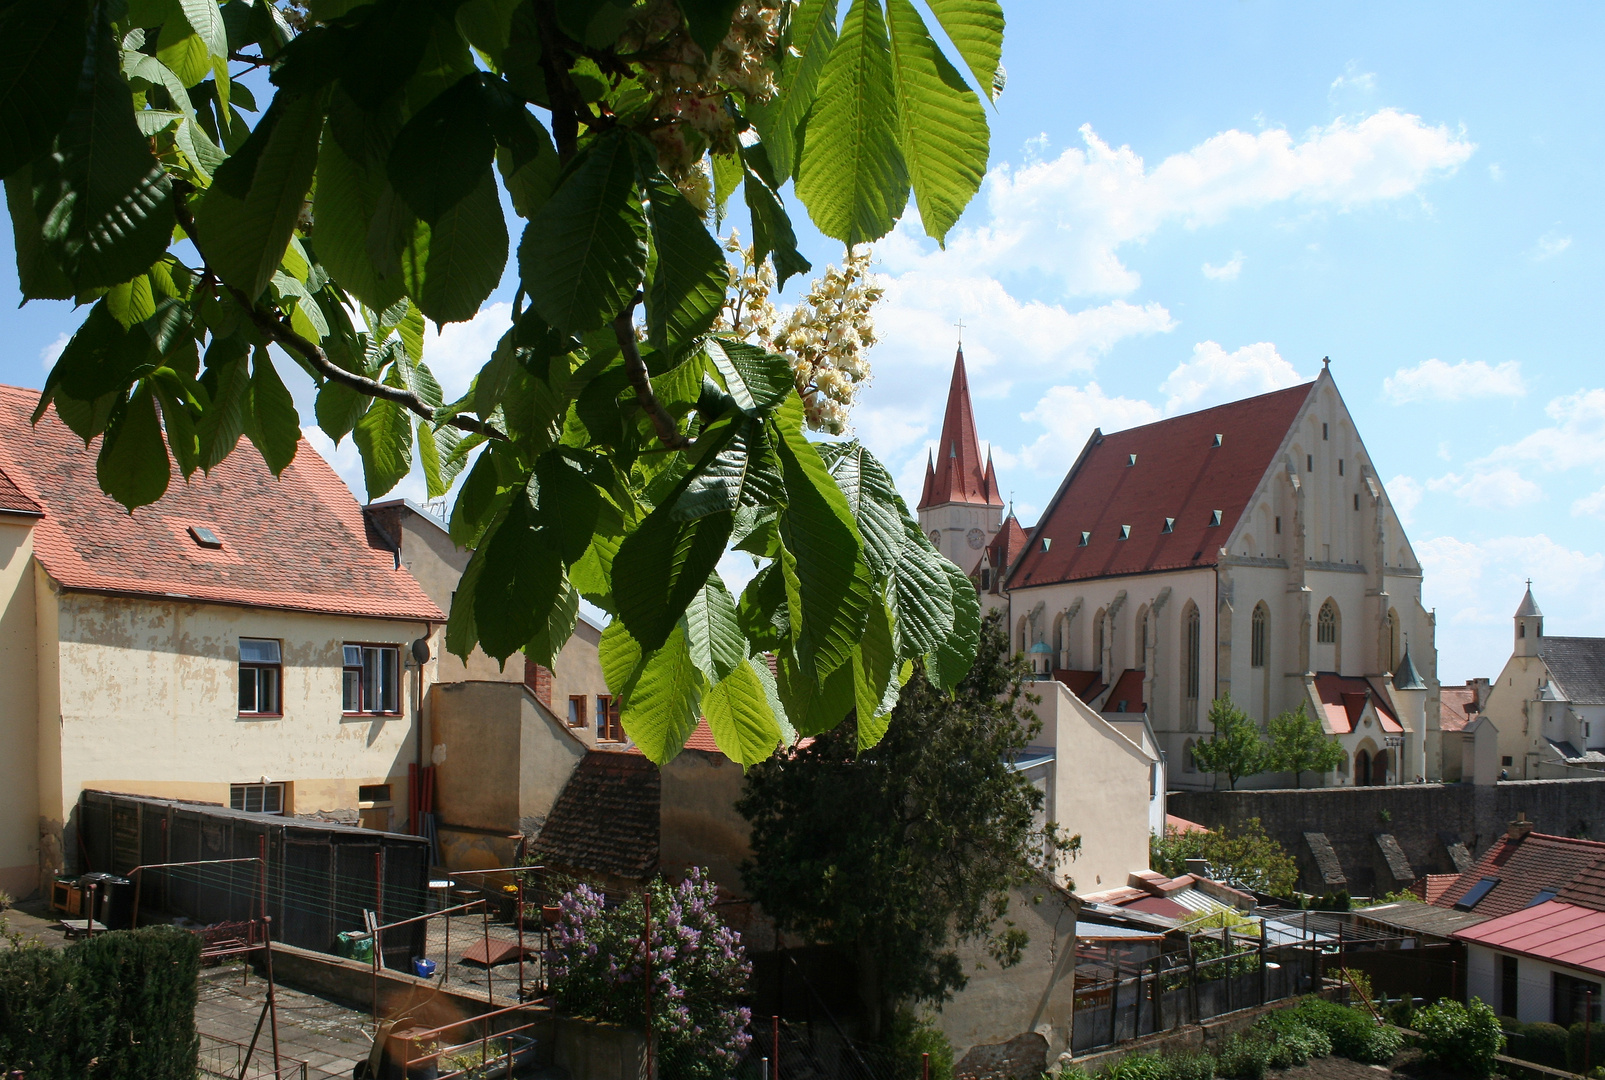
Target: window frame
609 727
244 790
576 712
360 669
257 668
1259 627
1324 624
1193 660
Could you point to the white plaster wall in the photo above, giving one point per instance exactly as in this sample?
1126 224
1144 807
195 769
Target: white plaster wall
1534 994
1101 783
148 703
19 711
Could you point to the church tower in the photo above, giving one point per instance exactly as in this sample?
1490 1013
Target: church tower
1529 625
960 508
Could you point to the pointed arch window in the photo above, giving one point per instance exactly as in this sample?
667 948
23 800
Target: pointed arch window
1326 624
1193 673
1259 634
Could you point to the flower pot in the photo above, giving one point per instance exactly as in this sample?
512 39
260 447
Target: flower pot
551 914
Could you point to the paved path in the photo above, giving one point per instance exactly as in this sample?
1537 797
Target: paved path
328 1037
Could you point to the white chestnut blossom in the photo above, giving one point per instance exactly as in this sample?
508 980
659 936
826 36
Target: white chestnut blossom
826 336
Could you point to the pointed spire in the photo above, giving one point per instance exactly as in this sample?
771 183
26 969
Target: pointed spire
1529 606
959 475
1407 677
930 478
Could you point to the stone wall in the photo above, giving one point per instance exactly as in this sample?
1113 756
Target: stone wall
1424 820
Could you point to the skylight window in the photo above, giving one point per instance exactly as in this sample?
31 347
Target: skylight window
1125 532
1214 517
1476 894
1544 896
1217 440
1086 536
204 536
1170 525
1131 459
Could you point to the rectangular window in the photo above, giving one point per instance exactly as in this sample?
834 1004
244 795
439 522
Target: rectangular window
1356 500
370 680
1508 983
1256 650
1340 466
373 793
1323 432
1309 462
261 668
576 711
1506 760
608 727
257 798
986 579
1278 526
1571 1000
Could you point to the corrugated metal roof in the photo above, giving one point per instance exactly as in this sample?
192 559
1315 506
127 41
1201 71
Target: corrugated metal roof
1416 917
1553 931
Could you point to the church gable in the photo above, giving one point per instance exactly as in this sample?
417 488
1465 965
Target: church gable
1164 496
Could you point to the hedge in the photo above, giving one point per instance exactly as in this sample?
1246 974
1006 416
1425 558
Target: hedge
120 1006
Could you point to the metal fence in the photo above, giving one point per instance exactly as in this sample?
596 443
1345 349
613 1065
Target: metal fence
224 1059
806 1052
1211 975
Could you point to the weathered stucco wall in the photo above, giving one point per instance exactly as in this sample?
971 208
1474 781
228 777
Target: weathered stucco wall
1421 817
698 822
19 711
1034 995
147 703
501 759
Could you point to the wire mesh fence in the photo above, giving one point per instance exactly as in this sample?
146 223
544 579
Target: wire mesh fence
804 1052
224 1059
1127 996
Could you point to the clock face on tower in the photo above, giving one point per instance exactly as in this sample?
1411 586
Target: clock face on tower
936 538
976 537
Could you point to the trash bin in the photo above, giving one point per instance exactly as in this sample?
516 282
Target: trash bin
355 945
114 899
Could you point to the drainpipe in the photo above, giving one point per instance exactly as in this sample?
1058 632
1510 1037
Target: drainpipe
420 654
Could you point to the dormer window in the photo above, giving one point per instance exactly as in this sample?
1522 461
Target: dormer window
1125 532
1047 542
1170 525
1217 440
1086 536
1131 459
1214 517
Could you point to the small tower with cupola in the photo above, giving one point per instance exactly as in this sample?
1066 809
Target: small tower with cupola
960 508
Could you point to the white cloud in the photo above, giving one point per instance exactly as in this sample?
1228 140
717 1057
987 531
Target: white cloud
1069 413
1576 438
1590 505
1214 376
1404 493
52 352
1491 489
1549 245
459 350
1067 218
1227 271
1352 80
1476 586
1496 172
1434 380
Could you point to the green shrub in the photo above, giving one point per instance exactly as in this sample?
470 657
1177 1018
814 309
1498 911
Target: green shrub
120 1006
908 1037
1189 1065
1354 1034
1294 1040
1461 1039
1245 1056
1135 1067
1577 1052
1542 1044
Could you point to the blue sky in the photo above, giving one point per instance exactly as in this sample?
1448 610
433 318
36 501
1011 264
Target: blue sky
1190 203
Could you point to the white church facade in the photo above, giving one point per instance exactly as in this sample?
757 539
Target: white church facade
1247 550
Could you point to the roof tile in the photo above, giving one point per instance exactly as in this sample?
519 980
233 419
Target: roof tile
1577 664
956 474
1526 866
605 819
297 542
1553 931
1343 699
1455 706
1178 474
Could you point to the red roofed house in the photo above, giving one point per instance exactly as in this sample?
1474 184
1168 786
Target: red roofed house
243 641
1245 550
1540 957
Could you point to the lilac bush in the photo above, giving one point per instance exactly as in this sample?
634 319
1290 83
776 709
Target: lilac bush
699 972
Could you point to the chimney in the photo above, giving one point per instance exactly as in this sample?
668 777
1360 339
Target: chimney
1481 687
1197 867
1520 827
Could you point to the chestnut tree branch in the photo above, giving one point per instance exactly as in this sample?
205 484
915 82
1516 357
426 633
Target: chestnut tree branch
635 368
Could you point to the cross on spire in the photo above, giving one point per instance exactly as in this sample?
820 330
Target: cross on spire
960 325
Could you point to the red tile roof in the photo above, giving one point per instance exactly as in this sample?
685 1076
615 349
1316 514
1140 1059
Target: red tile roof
1086 685
1526 866
1343 699
1182 825
1007 545
13 501
1128 689
956 474
298 542
1455 706
1433 886
1178 474
1553 931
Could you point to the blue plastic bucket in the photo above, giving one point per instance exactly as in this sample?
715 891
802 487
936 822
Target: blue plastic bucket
424 969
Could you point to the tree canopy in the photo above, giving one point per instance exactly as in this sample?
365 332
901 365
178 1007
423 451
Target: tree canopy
1299 745
616 443
1246 857
1235 748
903 851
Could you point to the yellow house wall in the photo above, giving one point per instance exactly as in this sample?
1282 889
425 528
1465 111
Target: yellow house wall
698 821
148 704
19 711
1518 722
